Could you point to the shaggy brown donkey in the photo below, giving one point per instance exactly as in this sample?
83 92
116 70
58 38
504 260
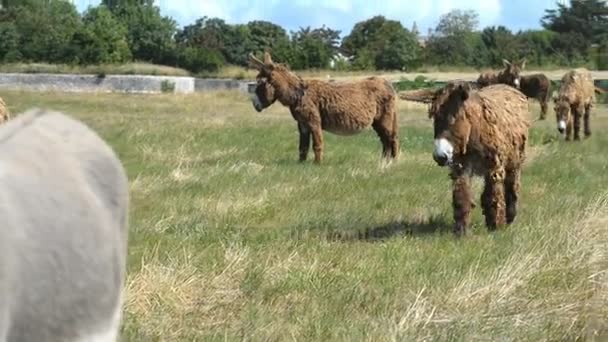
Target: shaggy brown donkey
509 75
575 99
538 87
336 107
481 133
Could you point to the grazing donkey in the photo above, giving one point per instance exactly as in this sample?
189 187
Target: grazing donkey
510 75
537 86
575 99
339 108
480 133
63 204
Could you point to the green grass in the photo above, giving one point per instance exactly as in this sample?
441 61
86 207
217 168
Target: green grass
232 239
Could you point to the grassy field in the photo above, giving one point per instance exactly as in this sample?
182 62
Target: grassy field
232 239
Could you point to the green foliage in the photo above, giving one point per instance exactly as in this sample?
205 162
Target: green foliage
45 31
150 35
266 36
418 83
454 41
232 41
382 44
198 60
537 46
102 40
9 42
120 31
314 48
579 26
167 86
500 44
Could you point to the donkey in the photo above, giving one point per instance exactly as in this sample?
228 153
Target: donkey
575 99
537 86
481 133
64 208
510 75
336 107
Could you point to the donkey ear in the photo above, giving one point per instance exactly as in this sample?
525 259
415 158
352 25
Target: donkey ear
506 63
255 62
268 59
523 63
464 89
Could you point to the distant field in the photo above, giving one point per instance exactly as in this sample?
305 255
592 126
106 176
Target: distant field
233 239
232 72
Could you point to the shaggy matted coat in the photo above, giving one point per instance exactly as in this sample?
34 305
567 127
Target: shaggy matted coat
343 108
480 133
5 114
575 99
64 208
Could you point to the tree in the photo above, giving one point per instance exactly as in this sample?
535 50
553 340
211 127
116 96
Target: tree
382 44
233 42
314 48
579 26
113 4
537 46
454 41
46 31
500 43
589 18
9 43
149 34
103 39
457 23
266 36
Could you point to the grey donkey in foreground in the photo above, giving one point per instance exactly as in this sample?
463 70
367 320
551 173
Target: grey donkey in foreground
64 210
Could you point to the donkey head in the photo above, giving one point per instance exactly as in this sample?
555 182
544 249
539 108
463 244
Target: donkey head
562 113
511 73
275 82
263 96
451 126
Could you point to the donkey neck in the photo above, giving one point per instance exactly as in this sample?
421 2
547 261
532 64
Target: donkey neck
289 88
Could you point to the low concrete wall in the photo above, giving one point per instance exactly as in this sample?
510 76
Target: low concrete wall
94 83
204 84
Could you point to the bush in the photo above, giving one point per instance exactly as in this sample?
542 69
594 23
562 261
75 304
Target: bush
167 86
198 60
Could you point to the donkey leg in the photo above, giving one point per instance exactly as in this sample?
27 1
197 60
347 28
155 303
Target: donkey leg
317 142
382 134
394 136
587 123
493 200
569 128
577 125
304 141
461 201
543 108
512 188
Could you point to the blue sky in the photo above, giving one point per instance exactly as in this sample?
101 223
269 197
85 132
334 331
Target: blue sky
343 14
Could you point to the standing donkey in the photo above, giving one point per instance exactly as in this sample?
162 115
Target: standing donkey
340 108
479 133
64 208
